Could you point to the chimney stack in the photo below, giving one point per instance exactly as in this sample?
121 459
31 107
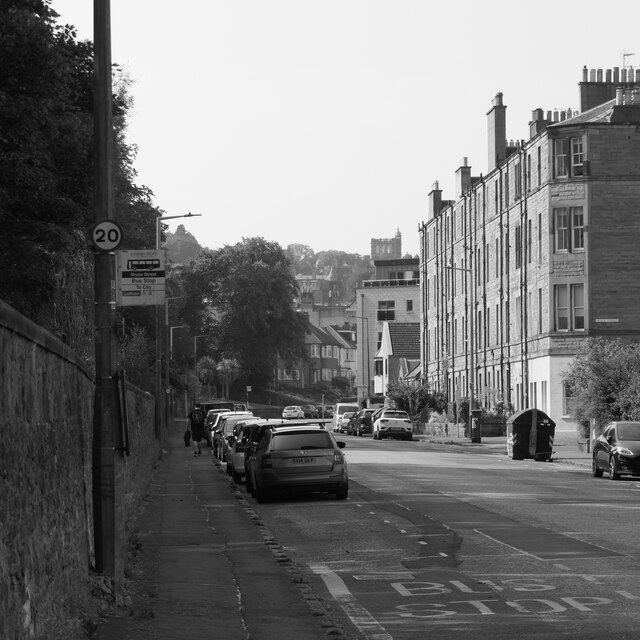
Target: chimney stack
463 178
435 201
497 122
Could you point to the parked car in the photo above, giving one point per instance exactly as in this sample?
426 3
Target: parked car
617 450
362 422
209 422
239 446
339 409
310 411
254 436
223 433
292 412
343 421
299 458
392 422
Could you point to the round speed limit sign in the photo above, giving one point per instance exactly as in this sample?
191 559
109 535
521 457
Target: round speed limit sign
106 235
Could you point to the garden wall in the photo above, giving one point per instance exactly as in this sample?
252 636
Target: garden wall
46 523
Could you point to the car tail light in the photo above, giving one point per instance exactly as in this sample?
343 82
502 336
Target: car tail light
338 458
266 462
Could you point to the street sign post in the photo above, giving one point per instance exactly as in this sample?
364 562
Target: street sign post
141 278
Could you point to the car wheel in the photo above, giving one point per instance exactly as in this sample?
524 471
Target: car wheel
342 493
614 474
229 469
237 478
247 483
595 469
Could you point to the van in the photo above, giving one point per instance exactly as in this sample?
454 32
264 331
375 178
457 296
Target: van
339 409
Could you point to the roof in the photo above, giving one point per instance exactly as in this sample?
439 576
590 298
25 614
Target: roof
405 339
607 112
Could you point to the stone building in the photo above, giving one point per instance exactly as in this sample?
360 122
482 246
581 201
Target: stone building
537 255
393 295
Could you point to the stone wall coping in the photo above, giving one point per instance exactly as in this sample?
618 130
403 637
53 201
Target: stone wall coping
14 321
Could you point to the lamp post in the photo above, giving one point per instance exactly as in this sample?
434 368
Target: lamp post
195 364
473 416
160 399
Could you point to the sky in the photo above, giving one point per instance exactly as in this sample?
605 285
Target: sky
327 122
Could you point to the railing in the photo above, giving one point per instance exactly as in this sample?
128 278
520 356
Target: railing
391 283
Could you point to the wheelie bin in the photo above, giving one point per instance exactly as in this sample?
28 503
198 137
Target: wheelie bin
530 434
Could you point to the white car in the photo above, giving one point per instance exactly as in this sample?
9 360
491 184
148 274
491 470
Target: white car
292 412
392 423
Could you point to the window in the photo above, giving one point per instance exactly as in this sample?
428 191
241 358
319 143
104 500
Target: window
386 310
570 310
518 181
497 257
409 305
506 186
377 367
327 351
562 229
528 184
561 160
518 247
577 306
518 314
379 341
539 311
539 238
569 229
315 350
487 327
543 394
562 308
577 228
539 166
497 324
569 400
529 240
577 157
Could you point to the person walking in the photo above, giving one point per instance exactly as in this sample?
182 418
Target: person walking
196 426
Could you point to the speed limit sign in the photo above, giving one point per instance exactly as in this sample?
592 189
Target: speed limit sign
106 235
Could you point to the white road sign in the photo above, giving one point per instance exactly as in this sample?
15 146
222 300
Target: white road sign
106 235
141 277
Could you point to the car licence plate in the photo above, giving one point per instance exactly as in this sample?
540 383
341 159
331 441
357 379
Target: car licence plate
296 461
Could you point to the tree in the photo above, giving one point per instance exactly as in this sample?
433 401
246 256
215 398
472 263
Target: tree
603 381
228 372
414 399
246 292
47 169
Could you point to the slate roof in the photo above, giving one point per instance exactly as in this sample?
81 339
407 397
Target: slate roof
405 339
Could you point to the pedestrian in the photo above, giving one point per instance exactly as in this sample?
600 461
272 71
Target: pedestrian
196 426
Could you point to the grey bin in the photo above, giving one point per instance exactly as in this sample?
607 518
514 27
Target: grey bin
530 434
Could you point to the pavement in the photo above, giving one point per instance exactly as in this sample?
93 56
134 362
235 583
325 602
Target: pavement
203 565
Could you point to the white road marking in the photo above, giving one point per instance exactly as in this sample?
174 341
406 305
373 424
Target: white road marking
361 618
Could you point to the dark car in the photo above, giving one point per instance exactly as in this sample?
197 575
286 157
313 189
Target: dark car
363 423
617 450
301 458
254 436
310 411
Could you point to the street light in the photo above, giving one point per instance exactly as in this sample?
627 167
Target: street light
160 399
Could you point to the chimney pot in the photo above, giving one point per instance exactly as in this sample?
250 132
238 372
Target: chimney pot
616 75
608 76
599 75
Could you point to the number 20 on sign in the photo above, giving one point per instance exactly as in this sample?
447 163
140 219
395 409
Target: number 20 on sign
106 235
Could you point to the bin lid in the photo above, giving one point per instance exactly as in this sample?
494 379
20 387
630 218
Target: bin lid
525 415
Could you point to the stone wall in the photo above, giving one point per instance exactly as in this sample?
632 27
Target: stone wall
46 522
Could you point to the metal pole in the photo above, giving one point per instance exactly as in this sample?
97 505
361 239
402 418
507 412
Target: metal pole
108 455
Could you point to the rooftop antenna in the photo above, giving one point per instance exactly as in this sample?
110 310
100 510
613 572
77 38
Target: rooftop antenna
625 56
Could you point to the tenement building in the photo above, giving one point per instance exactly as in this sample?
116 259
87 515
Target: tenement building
537 255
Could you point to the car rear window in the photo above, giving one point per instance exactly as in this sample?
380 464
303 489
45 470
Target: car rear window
301 440
629 431
394 414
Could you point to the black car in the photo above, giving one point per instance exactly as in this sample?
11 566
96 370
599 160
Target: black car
362 422
617 450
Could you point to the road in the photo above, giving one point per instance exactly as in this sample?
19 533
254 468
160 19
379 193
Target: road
437 542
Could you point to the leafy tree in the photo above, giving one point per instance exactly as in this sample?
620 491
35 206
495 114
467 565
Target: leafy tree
414 400
228 372
137 358
302 258
246 293
603 380
47 169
